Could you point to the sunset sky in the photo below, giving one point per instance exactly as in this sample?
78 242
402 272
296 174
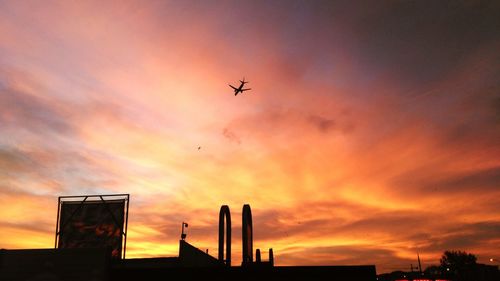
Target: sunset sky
371 133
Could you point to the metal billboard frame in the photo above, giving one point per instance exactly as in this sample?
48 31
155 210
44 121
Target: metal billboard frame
94 197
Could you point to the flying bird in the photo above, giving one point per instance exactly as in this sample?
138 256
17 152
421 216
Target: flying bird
240 88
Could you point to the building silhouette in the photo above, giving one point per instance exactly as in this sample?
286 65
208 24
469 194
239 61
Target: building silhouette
92 251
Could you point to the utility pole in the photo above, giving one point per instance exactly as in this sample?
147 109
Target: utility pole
419 264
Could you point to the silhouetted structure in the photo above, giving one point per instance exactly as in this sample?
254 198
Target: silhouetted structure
55 264
475 272
95 261
247 235
225 214
93 221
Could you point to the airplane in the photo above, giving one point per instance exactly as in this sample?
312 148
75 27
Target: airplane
240 88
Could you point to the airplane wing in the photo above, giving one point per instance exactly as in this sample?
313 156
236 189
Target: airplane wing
246 89
232 87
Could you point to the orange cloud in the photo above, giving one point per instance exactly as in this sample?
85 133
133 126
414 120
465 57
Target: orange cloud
349 148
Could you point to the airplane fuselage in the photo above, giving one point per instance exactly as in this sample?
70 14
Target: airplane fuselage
241 87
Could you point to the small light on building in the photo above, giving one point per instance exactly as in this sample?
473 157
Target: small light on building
183 235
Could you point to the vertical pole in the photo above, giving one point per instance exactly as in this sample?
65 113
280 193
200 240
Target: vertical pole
419 264
225 214
57 221
126 226
221 234
247 235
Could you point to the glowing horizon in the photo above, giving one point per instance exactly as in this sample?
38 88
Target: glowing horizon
371 131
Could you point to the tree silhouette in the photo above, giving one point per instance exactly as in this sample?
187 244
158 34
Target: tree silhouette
457 262
433 270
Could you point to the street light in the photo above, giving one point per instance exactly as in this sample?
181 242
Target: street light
183 235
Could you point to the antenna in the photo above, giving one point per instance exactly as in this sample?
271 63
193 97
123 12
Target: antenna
419 265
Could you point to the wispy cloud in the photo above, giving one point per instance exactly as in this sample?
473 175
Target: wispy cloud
369 133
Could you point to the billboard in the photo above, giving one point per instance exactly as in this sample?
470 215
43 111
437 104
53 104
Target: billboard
92 224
